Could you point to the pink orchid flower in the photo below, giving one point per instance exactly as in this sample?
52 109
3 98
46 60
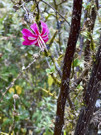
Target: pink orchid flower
36 38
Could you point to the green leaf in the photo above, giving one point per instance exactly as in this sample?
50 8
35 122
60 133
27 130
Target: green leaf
50 81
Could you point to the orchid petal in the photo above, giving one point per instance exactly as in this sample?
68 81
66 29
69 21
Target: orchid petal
27 33
44 37
32 38
36 38
46 40
29 42
34 27
44 29
27 39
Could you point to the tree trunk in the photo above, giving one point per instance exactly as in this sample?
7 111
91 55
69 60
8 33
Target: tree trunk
90 96
71 45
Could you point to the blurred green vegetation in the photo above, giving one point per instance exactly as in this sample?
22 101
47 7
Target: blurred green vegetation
33 113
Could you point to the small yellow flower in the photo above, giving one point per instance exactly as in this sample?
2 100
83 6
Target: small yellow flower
4 119
18 89
11 90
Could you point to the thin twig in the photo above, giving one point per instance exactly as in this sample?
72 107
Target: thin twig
56 11
19 75
62 2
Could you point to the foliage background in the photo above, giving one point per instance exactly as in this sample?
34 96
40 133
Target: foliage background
36 87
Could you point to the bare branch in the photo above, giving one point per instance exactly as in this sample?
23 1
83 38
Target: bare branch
56 11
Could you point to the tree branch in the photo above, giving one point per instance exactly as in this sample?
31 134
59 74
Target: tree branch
56 11
90 96
71 45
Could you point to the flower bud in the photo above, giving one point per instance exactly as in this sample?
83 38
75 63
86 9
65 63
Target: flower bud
15 96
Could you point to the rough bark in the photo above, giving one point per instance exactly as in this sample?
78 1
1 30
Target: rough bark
90 96
71 45
94 123
89 24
